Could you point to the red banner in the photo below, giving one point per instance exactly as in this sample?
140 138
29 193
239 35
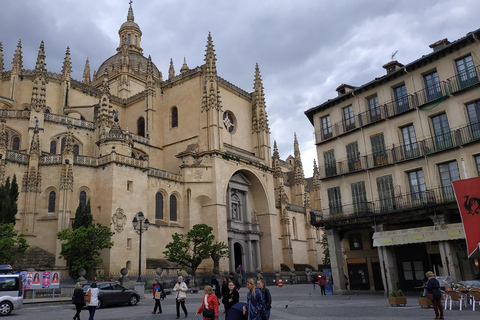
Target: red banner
467 193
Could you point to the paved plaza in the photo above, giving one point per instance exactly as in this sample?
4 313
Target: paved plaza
290 302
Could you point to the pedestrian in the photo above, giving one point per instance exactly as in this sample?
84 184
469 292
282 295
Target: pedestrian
322 281
78 300
230 298
235 280
157 295
92 303
434 294
255 302
265 314
216 288
209 306
224 289
180 288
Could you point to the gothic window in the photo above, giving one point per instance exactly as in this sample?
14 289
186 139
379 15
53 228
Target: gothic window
47 110
51 201
62 144
236 207
174 117
76 150
294 227
53 147
229 121
83 198
16 144
173 208
159 206
141 127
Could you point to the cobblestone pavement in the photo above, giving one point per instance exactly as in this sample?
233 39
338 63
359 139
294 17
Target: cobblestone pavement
290 302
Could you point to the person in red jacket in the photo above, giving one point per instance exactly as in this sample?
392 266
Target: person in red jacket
322 281
209 302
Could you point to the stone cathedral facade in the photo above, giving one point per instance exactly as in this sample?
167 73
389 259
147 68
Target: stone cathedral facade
189 149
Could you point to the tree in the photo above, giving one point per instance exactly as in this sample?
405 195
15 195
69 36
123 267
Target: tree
81 247
326 251
189 250
83 216
8 201
11 243
219 250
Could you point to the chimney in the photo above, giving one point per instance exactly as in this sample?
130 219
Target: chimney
440 44
344 88
392 66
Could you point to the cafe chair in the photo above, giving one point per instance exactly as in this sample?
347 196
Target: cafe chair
453 296
475 298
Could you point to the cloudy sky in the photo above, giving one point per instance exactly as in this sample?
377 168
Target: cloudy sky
305 48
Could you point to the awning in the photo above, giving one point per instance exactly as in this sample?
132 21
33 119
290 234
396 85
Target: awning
447 232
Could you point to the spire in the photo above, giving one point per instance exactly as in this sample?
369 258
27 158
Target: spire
1 57
277 171
38 100
105 113
171 70
130 16
316 176
40 65
17 63
210 57
86 73
299 177
260 119
130 33
150 80
184 67
211 92
67 66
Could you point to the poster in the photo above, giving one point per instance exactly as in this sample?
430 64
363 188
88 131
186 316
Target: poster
46 279
55 283
37 280
329 286
467 193
41 279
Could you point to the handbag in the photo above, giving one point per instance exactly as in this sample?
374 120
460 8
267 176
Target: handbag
208 313
86 298
158 295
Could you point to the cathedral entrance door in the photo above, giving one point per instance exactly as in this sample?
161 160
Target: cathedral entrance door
237 252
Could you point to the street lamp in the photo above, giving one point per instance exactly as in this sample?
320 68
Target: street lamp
140 224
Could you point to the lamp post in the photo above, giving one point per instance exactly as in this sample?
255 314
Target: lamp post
140 224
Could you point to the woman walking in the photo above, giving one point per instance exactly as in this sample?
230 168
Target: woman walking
209 306
78 295
157 295
434 294
92 304
265 313
180 289
230 298
255 302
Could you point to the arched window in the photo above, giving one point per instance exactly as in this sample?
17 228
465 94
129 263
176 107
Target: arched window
294 227
159 206
173 208
174 117
63 144
16 144
53 147
47 110
52 196
76 150
83 198
141 127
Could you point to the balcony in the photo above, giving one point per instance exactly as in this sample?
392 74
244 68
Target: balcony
463 80
433 93
400 105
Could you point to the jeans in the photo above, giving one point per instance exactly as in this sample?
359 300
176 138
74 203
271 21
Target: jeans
91 311
181 302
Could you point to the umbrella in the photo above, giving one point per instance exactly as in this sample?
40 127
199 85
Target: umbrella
236 311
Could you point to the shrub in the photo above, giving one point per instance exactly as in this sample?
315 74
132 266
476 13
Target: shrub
400 293
393 294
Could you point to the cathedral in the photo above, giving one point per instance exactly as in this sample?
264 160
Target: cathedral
186 149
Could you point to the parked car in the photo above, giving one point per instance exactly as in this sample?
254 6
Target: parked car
11 293
112 293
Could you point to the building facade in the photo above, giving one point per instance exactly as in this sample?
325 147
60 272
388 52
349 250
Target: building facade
388 152
189 149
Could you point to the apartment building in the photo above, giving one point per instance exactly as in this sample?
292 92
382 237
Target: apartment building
388 151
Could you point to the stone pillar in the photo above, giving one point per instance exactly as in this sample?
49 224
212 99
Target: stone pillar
387 264
449 258
336 261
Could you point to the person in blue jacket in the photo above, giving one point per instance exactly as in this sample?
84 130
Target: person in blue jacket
255 302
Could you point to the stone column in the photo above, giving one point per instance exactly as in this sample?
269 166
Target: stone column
449 258
336 261
387 264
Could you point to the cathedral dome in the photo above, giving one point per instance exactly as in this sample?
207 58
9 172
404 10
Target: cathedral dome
136 60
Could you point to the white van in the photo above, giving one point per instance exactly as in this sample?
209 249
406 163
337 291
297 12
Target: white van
11 293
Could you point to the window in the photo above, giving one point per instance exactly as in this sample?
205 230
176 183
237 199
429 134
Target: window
374 110
141 127
9 283
63 144
418 189
467 75
379 151
51 201
159 206
83 198
129 243
448 173
410 144
355 241
334 200
359 196
443 138
348 118
174 117
477 162
326 127
173 208
16 144
473 110
76 150
353 157
129 39
129 185
401 98
294 228
330 163
432 86
386 193
53 147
